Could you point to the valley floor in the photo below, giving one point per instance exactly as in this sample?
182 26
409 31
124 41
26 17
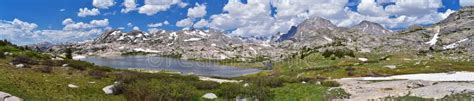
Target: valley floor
302 77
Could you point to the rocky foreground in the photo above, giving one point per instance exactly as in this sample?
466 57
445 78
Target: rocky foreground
8 97
434 86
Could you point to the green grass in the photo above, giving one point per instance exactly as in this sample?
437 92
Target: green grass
300 92
319 66
31 84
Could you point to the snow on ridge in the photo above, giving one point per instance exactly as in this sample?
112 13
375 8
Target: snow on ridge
328 39
145 50
456 76
455 44
173 35
192 39
203 34
435 38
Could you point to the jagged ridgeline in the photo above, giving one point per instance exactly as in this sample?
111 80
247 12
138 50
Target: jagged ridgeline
455 35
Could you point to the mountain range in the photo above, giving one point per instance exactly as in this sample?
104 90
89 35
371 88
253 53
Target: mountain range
453 35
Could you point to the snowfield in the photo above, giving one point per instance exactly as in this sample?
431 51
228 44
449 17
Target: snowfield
456 76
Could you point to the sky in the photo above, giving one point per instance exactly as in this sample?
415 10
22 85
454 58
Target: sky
59 21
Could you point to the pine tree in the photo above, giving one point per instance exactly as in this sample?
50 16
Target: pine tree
68 53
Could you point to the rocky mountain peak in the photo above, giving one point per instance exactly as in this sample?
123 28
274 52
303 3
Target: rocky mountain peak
316 23
371 28
465 13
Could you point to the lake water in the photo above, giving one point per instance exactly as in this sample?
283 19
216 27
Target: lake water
171 64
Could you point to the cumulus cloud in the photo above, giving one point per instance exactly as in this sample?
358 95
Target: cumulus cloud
83 12
197 11
256 19
23 33
23 25
414 7
129 24
201 23
130 5
152 7
136 28
185 23
155 25
82 25
466 3
68 21
103 4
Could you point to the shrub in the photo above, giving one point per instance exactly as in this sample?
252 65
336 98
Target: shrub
206 85
330 84
267 81
23 60
338 53
261 93
79 65
2 55
68 52
230 90
156 90
46 69
337 93
97 74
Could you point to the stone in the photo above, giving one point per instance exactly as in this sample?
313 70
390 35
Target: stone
19 65
13 98
209 96
246 84
72 86
303 82
363 59
4 95
390 66
65 65
8 97
109 90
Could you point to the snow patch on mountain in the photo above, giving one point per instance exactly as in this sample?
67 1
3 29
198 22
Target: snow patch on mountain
454 45
435 38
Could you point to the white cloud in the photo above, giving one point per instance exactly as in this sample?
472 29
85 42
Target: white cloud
152 7
414 7
67 21
166 22
23 25
466 3
82 25
62 10
155 24
197 11
136 28
23 33
103 4
129 24
182 4
130 5
185 23
100 23
201 23
255 18
83 12
371 8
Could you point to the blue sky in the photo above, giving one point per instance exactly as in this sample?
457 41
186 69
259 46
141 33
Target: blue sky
236 17
47 14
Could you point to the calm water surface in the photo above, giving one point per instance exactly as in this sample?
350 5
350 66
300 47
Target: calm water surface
163 63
